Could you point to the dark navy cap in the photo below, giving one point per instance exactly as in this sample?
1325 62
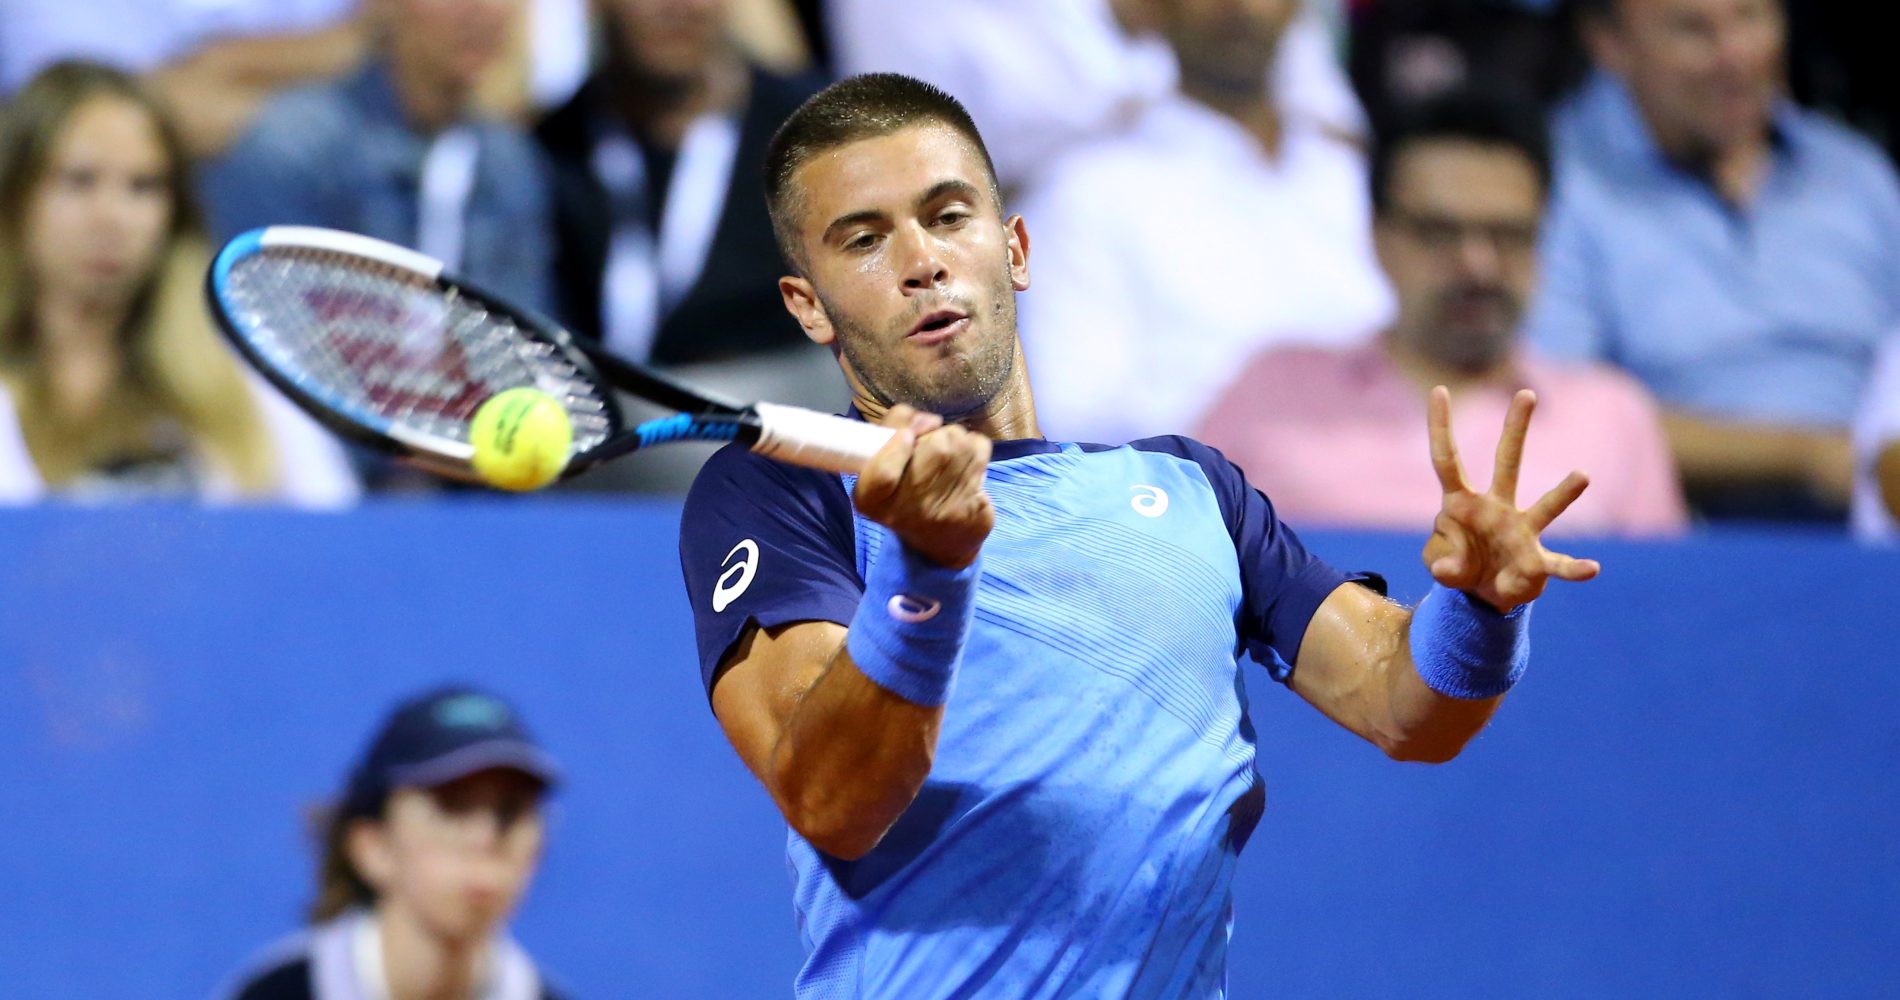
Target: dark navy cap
442 735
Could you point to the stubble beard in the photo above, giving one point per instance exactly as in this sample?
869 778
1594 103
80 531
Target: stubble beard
953 387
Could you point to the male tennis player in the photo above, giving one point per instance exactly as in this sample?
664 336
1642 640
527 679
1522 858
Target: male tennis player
993 683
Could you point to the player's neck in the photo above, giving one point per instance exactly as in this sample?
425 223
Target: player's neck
660 110
1010 415
421 965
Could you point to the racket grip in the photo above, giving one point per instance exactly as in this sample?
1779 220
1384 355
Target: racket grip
816 440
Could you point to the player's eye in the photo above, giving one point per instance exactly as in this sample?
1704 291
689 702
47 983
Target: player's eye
861 242
952 217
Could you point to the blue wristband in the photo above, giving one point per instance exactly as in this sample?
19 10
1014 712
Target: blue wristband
1465 649
909 630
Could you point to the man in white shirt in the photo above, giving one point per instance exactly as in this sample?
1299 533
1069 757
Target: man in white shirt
1218 224
1040 77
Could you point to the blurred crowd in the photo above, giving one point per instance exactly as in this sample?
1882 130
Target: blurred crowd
1272 224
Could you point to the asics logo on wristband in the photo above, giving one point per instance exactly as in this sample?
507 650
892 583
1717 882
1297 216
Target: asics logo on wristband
912 610
737 577
1149 501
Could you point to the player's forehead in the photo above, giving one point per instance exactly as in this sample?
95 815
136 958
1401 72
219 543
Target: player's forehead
888 173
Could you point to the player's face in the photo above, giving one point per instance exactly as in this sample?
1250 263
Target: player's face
100 215
1458 241
667 39
1706 72
449 41
1226 42
457 857
911 270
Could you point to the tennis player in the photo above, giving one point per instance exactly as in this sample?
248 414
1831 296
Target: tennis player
993 683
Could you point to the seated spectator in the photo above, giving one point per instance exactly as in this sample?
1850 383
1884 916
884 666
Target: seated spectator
112 380
1039 78
432 844
1166 255
1737 254
1876 507
665 250
1333 435
215 62
394 151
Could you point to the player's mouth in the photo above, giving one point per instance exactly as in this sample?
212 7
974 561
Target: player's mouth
937 327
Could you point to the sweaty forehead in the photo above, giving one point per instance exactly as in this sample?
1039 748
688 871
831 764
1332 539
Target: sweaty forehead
886 173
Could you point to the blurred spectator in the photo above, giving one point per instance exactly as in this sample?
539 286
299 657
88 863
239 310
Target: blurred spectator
1739 255
665 250
1877 450
1216 225
393 151
432 844
215 61
1041 77
1333 436
112 382
1408 51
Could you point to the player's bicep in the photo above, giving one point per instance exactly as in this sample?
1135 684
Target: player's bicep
760 682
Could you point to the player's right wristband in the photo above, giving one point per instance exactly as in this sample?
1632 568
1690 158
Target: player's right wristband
1464 648
909 631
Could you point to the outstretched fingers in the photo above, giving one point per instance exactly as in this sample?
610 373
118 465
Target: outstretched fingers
1569 568
1510 457
1551 505
1451 474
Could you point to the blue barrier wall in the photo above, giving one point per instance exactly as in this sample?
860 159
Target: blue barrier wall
1694 793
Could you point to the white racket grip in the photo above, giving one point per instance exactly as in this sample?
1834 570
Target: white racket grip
817 440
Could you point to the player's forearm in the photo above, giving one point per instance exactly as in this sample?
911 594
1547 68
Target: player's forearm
851 759
1428 727
1715 453
1357 666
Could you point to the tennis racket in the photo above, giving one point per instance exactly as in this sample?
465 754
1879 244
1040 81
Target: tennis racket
385 348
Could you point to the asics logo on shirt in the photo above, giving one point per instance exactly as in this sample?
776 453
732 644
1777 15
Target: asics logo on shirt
1149 501
912 610
728 588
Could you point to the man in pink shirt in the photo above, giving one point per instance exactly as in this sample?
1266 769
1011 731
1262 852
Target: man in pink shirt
1331 435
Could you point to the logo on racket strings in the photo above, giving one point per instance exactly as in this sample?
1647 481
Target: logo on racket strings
737 577
912 610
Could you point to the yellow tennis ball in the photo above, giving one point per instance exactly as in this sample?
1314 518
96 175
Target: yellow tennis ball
522 437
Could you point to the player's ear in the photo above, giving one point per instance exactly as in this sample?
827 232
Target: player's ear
1017 237
801 300
367 844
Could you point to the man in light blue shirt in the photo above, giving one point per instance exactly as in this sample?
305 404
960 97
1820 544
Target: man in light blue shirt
396 151
1738 254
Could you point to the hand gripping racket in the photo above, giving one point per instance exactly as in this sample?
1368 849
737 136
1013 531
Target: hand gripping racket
384 348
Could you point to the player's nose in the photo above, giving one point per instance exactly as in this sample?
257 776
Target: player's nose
920 266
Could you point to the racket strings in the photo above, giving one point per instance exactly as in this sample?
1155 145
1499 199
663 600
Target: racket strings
381 343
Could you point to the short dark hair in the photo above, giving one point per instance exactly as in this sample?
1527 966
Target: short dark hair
855 108
1482 119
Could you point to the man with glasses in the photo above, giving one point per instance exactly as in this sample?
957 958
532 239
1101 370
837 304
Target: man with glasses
1458 192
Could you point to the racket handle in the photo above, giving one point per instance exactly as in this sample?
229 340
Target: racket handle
816 440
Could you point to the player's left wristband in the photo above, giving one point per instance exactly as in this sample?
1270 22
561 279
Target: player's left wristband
1464 648
910 627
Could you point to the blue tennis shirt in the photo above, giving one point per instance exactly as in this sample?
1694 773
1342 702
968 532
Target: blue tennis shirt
1094 780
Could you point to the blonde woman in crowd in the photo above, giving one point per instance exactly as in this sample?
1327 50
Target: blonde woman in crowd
112 381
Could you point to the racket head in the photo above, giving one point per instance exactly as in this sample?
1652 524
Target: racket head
385 348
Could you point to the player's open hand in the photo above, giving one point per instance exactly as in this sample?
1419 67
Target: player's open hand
926 485
1482 543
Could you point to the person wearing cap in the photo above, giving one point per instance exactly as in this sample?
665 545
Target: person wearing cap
433 842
